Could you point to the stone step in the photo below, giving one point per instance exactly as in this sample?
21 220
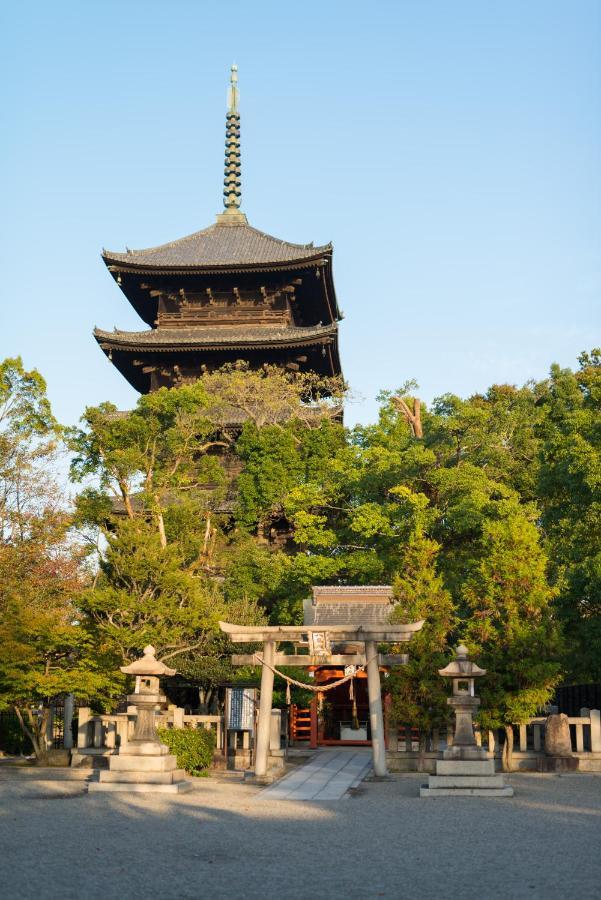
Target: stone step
466 792
465 767
148 788
462 781
43 773
171 777
122 763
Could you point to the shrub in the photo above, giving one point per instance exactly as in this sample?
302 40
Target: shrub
193 747
12 739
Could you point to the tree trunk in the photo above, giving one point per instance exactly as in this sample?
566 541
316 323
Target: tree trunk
160 524
208 543
413 418
204 695
507 757
35 731
126 500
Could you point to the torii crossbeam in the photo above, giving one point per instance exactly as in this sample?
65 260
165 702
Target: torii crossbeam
370 636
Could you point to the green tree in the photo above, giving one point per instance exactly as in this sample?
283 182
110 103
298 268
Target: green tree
144 593
418 694
570 498
511 630
45 648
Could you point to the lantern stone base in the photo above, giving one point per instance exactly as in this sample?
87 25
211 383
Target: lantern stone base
142 773
456 752
180 788
465 778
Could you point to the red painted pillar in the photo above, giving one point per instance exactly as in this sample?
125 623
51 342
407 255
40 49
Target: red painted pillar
313 737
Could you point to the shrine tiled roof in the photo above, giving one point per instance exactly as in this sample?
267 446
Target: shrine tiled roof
349 606
351 614
215 337
219 245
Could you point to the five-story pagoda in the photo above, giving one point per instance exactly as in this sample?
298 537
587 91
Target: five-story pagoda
225 294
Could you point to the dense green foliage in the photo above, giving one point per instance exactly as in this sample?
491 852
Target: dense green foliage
45 648
229 498
418 693
193 747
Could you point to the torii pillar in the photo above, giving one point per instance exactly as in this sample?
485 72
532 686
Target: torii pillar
376 716
265 703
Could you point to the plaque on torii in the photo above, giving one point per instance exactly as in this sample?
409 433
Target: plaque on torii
319 640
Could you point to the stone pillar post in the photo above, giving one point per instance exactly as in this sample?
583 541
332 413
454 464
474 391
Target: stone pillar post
83 717
49 733
376 718
264 726
122 731
98 735
595 730
68 708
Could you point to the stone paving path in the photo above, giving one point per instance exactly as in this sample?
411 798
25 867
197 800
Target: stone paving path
327 776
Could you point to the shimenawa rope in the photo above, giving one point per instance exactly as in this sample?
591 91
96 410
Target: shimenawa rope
312 687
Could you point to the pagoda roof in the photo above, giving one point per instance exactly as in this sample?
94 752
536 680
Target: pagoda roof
224 244
215 337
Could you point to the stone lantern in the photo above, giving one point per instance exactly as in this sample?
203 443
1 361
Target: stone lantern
147 699
465 769
144 763
463 700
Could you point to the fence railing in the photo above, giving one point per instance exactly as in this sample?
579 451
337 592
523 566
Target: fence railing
403 743
585 732
99 733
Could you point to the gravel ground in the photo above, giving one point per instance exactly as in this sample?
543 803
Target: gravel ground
217 841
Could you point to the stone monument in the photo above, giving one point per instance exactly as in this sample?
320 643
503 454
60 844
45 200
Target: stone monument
144 764
465 769
558 746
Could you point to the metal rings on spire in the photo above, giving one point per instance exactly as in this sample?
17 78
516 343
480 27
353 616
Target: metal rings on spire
232 181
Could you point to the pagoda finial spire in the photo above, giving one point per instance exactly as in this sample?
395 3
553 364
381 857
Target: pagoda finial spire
231 182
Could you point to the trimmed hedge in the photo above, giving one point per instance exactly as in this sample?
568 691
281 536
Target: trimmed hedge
193 747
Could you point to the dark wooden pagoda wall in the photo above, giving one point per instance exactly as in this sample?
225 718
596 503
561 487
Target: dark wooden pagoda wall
266 306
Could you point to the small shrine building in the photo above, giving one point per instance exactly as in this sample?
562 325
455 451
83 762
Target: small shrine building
341 716
338 645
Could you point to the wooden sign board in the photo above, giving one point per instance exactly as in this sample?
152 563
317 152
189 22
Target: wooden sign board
240 708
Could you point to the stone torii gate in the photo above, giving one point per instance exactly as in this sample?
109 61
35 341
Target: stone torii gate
320 636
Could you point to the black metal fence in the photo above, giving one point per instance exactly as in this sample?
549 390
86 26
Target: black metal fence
14 742
571 698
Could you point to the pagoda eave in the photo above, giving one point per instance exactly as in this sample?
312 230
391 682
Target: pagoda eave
195 340
230 268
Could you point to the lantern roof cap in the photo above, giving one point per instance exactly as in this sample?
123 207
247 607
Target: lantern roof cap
461 666
148 665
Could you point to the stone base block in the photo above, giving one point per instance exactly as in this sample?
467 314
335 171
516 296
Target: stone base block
144 748
464 781
465 767
172 777
468 753
90 758
557 764
58 758
146 788
268 778
122 763
466 792
465 778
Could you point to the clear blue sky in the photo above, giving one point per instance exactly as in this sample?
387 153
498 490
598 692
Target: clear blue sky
450 150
